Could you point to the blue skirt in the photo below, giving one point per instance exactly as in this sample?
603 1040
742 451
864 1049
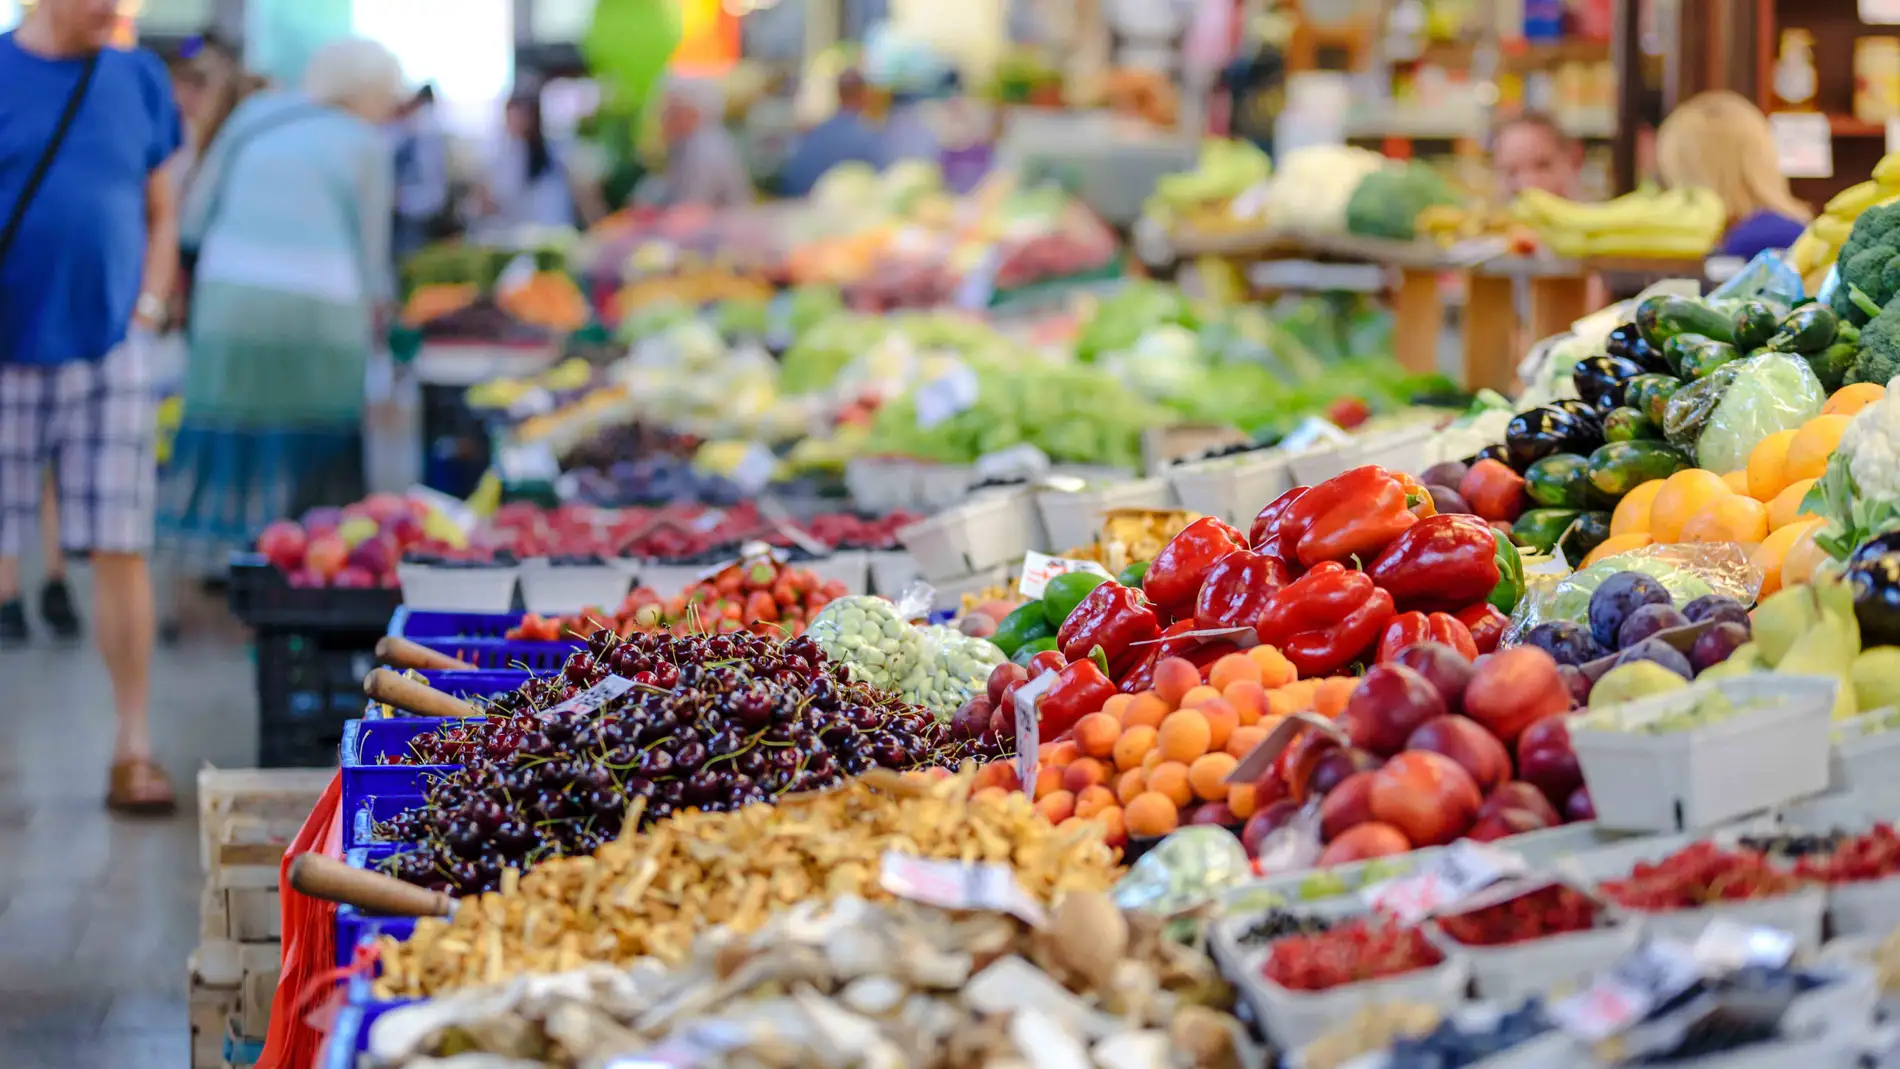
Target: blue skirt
222 486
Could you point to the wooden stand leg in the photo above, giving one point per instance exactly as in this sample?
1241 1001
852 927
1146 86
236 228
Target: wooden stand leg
1556 302
1490 359
1418 315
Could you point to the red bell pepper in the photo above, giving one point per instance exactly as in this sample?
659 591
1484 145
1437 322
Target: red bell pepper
1326 619
1175 577
1113 617
1443 563
1270 524
1420 498
1412 628
1486 622
1046 661
1237 588
1080 689
1354 514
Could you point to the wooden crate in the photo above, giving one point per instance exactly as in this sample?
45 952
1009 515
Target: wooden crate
274 796
254 1000
253 915
209 1010
225 963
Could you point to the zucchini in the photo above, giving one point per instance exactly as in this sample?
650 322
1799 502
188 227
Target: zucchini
1661 318
1620 467
1628 425
1561 480
1808 329
1832 364
1586 533
1755 322
1675 351
1702 358
1539 529
1649 394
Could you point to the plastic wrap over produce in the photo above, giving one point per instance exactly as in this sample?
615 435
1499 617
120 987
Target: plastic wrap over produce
1722 417
952 669
1766 277
873 637
1185 871
1687 570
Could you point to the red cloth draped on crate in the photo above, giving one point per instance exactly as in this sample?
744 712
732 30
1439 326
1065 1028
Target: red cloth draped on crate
309 939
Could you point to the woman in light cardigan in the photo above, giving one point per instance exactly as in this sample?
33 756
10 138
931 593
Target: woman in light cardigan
290 213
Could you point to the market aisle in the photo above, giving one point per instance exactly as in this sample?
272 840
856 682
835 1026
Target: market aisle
97 913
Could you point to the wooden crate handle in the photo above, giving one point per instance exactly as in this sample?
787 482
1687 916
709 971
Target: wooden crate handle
402 653
325 877
391 687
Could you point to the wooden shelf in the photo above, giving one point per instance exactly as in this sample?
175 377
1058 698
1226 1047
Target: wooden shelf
1848 126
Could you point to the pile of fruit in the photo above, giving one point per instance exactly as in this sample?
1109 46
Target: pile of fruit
759 596
1352 952
1677 224
653 892
708 723
358 545
1699 875
1553 910
1631 617
1820 244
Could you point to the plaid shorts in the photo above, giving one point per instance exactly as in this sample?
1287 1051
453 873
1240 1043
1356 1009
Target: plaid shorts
95 424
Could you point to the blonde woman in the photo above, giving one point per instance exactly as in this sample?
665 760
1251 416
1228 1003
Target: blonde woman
1721 142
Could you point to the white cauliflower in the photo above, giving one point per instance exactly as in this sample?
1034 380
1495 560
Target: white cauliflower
1872 446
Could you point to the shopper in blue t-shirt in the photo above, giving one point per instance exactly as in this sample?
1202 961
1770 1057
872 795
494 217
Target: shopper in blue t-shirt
88 251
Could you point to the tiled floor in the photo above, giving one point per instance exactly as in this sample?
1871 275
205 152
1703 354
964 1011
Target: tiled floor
97 913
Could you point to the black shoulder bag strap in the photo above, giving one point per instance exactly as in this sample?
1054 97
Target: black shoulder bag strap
38 177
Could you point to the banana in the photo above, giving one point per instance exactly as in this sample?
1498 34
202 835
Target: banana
1832 231
1887 171
1853 200
1807 251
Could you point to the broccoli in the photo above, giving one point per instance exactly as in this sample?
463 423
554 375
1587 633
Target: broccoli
1386 202
1879 359
1867 264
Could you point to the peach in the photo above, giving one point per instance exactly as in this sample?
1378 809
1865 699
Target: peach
1135 743
1084 773
1184 736
1151 814
1096 734
1092 800
1174 678
1056 807
1147 710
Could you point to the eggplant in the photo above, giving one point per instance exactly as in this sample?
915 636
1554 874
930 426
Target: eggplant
1621 339
1540 432
1873 573
1494 451
1586 414
1600 379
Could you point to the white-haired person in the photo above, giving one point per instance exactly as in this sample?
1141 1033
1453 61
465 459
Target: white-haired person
703 162
290 219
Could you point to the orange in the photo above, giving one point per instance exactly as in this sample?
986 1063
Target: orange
1240 800
1151 815
1174 677
1114 827
1233 668
1185 735
1117 706
1330 698
1683 496
1803 557
1147 710
1275 669
1768 465
1632 513
1208 775
1774 550
1243 740
1732 519
1096 734
1199 696
1851 399
1093 800
1048 781
1737 481
1057 806
1248 699
1813 444
1615 544
1130 783
1786 507
1221 722
1134 745
1170 778
1085 773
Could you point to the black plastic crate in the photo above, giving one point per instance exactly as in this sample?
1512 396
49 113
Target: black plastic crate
309 683
262 598
457 445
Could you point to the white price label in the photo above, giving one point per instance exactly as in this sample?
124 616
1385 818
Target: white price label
1641 980
527 462
1244 637
1880 13
958 886
947 396
518 273
595 697
1312 433
1804 144
1039 568
754 470
1453 875
1725 946
1023 461
1029 730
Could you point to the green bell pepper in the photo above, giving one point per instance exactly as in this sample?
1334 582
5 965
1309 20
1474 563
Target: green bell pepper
1065 592
1030 649
1510 588
1134 573
1026 623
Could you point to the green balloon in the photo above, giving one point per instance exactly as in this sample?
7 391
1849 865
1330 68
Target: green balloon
629 43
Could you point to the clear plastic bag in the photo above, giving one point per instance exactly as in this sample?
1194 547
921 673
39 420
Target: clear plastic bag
1687 570
1768 393
1185 871
1766 277
953 668
872 637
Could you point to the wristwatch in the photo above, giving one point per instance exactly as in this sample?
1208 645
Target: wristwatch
151 308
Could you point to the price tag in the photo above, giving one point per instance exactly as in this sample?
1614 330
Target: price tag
1029 730
1453 875
595 697
751 551
1244 637
1023 461
1725 946
1648 976
948 395
754 470
708 521
1261 757
1039 568
518 273
454 510
527 462
1311 433
958 886
1804 144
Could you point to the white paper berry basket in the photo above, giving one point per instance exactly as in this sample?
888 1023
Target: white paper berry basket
881 484
1292 1019
1405 448
553 589
942 486
1232 488
1551 1050
1865 754
487 588
1237 957
1511 973
1773 751
892 570
993 528
1074 517
852 567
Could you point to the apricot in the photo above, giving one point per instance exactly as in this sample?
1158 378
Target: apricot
1199 696
1146 710
1184 735
1174 677
1241 800
1233 668
1096 734
1056 807
1208 775
1248 699
1221 722
1329 698
1170 778
1275 669
1065 752
1151 814
1117 706
1092 800
1151 759
1129 784
1048 781
1114 826
1243 740
1084 773
1135 743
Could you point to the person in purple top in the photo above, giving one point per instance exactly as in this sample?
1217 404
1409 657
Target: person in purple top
1721 142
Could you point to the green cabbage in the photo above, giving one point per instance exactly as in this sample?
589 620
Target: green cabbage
1771 392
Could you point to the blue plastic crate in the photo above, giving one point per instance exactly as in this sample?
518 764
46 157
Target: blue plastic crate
347 1039
354 926
361 996
360 821
417 624
365 742
495 653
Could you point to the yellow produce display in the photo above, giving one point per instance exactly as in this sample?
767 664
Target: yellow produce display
1647 224
1820 244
